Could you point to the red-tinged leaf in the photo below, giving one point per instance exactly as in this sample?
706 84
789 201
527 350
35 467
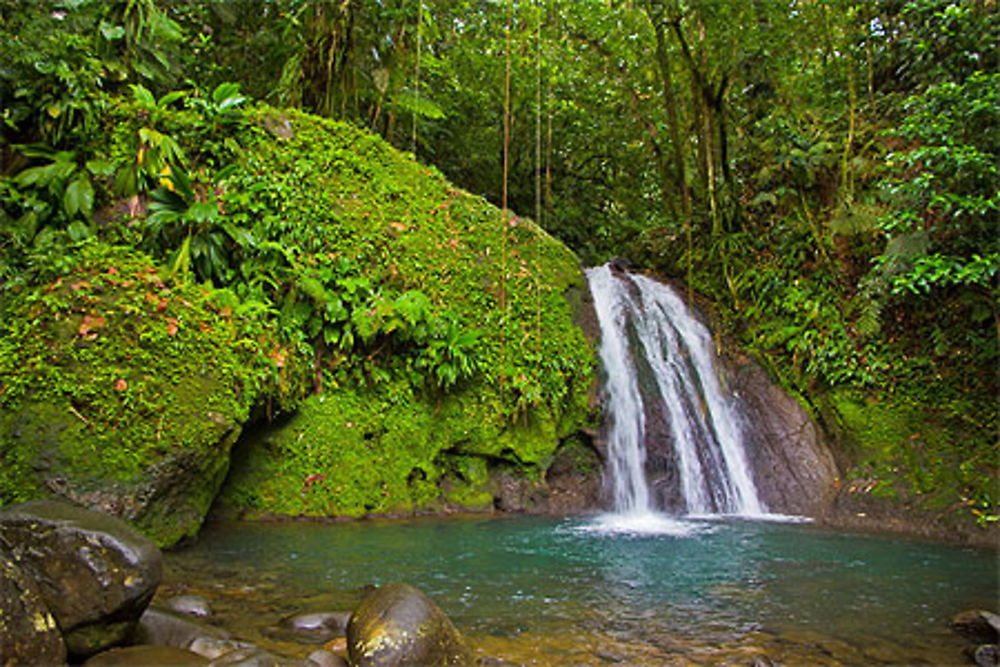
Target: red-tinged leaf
76 287
278 357
121 385
172 327
90 323
112 271
161 305
151 298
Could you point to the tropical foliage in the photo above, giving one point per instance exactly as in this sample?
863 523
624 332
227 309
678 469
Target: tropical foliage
825 172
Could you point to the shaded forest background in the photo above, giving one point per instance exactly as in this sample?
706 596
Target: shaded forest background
826 173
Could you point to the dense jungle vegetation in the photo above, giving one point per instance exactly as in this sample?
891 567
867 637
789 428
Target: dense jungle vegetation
826 173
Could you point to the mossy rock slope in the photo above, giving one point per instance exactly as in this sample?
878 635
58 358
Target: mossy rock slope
428 336
120 391
385 434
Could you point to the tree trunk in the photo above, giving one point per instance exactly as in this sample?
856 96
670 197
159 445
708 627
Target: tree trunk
670 109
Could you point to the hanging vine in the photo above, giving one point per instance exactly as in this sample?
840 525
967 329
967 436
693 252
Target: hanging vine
505 214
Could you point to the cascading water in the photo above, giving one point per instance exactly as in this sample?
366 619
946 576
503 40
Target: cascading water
644 323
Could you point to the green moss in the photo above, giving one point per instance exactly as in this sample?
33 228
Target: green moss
381 450
109 370
324 229
903 448
331 190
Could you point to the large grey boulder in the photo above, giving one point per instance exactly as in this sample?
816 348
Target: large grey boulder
793 467
397 624
94 572
28 632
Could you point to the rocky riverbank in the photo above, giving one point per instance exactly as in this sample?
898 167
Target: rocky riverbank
77 588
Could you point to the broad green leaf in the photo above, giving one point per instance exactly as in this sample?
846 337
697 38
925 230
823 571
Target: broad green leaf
112 32
202 212
171 97
100 168
182 262
79 197
37 176
143 97
78 230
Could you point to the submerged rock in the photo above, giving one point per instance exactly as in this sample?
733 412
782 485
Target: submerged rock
213 648
192 605
318 626
326 659
145 655
95 573
977 625
397 624
250 656
165 627
28 632
985 655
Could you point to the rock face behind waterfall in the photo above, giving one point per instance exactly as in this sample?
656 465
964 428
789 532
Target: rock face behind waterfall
792 464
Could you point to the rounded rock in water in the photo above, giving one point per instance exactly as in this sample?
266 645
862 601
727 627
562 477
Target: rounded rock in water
397 624
95 573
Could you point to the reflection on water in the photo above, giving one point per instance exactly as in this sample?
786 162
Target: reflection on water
551 591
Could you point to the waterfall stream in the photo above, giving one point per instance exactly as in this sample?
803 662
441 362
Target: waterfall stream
645 325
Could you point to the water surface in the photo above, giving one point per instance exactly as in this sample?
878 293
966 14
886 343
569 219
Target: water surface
563 591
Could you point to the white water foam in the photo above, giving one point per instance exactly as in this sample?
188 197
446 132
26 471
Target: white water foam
641 524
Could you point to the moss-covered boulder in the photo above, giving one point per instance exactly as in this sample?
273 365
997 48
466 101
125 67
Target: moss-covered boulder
120 390
432 332
911 467
440 329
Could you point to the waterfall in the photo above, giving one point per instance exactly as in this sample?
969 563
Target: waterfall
645 325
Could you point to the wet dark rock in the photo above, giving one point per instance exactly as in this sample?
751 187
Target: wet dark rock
145 655
985 655
95 573
165 627
620 264
512 492
574 477
397 624
977 625
28 632
191 605
795 471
